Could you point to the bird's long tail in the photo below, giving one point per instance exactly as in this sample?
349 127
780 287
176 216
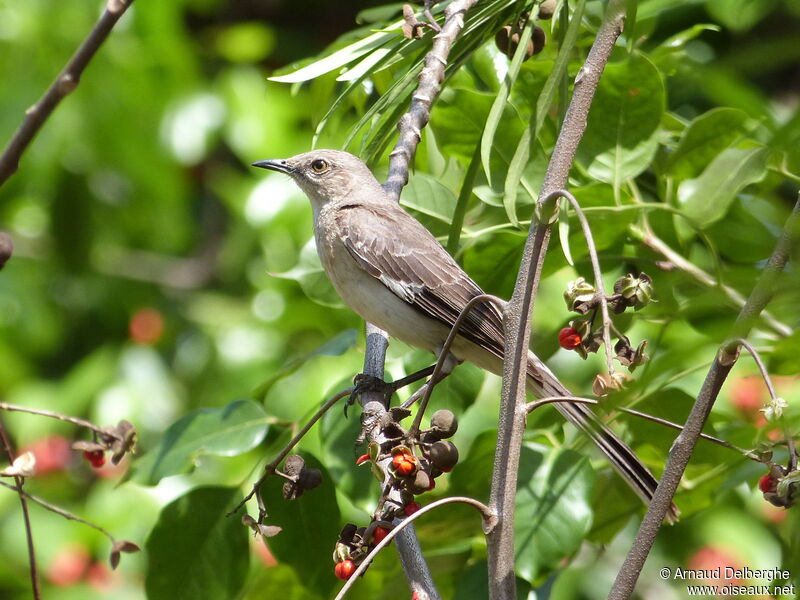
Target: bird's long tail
542 384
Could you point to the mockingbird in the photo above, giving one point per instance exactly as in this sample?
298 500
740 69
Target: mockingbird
391 271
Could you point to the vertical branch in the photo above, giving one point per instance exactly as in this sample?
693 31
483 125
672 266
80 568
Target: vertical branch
65 83
410 130
684 444
419 113
518 312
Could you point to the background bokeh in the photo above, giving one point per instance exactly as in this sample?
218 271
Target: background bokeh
156 273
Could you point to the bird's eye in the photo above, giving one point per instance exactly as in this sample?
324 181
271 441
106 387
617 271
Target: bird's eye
319 165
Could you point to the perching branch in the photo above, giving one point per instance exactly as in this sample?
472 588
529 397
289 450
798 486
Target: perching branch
518 312
419 113
410 127
488 522
65 83
682 448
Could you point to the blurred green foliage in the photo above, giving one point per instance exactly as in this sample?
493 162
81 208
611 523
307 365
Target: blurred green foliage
156 278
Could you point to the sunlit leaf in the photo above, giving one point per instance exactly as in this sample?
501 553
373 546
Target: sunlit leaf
622 134
229 431
706 198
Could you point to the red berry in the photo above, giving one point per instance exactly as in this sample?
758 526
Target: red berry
767 483
96 458
404 463
379 533
344 569
569 338
411 508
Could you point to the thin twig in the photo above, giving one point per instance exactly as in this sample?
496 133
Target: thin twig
60 511
53 415
26 518
445 351
270 468
774 397
652 241
532 406
488 522
65 83
598 273
761 367
682 448
511 424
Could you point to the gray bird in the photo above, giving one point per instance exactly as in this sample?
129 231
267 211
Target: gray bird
391 271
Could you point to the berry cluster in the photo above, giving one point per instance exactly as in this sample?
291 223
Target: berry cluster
582 297
780 485
119 440
508 37
407 463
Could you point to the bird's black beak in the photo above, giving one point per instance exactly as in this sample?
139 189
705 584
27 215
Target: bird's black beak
279 165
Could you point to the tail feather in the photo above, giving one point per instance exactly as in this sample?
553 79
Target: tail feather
542 383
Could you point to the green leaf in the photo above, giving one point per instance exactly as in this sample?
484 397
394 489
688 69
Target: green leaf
500 103
552 504
785 359
310 525
543 102
553 513
707 198
195 552
336 346
608 227
428 196
740 15
622 135
312 278
229 431
705 137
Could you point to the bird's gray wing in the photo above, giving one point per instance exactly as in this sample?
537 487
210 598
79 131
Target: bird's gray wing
396 249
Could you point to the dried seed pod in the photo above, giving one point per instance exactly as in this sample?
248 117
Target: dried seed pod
501 39
547 9
445 423
538 40
421 484
444 455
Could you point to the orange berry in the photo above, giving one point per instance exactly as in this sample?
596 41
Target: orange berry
404 463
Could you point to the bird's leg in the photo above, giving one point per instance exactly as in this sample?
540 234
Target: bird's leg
367 383
428 15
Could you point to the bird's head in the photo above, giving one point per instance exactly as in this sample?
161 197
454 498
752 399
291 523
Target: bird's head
326 175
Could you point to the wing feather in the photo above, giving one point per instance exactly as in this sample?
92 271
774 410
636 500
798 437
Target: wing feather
417 269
